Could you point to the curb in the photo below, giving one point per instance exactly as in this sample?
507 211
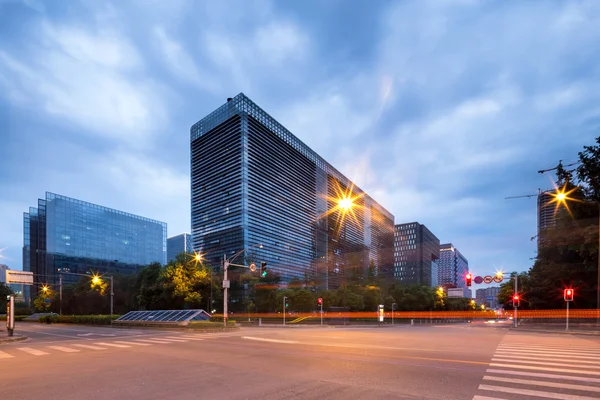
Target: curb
11 339
584 333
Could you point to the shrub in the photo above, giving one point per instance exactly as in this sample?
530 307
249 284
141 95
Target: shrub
210 324
79 319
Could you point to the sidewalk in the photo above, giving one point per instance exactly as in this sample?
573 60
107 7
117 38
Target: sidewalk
588 330
4 338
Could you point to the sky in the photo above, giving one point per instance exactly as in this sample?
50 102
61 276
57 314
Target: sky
437 109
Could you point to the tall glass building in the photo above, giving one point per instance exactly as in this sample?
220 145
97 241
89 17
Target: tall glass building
253 182
179 244
416 254
67 235
453 266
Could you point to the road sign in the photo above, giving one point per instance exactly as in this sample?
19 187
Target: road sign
253 267
456 293
226 284
498 278
21 277
478 280
488 279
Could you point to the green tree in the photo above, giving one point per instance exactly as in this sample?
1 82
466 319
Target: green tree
149 289
185 279
4 292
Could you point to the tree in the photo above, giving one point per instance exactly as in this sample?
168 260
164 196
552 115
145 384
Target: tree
42 303
4 292
185 280
149 288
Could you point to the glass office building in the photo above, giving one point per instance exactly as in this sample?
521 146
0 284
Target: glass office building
253 182
416 254
67 235
453 266
179 244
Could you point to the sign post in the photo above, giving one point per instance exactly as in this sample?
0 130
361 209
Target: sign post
568 295
10 314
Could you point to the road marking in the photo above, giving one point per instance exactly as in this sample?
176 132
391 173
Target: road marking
557 353
152 341
572 371
5 355
97 334
477 397
169 340
64 349
538 393
539 354
542 375
113 345
543 383
32 351
561 358
87 346
269 340
184 337
542 346
503 359
123 342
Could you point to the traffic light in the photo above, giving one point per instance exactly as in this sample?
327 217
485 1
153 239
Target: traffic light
320 301
569 293
263 269
516 300
469 278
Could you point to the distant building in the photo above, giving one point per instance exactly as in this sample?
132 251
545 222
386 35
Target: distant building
416 254
72 236
179 244
488 296
3 269
254 182
452 266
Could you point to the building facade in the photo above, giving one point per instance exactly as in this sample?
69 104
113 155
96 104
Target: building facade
488 296
416 254
179 244
68 235
253 182
453 266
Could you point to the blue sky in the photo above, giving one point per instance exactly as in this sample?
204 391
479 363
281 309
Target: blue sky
438 109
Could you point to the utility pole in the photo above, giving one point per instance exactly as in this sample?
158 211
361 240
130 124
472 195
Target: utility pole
514 304
60 294
225 289
284 309
112 296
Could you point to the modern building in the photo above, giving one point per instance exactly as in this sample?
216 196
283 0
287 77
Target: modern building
416 254
488 296
179 244
72 236
453 266
253 182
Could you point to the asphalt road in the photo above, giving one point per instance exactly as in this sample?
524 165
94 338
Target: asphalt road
418 362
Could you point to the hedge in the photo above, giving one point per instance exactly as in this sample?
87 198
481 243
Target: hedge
17 317
79 319
210 324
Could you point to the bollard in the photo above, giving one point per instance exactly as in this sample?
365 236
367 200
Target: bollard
260 322
412 322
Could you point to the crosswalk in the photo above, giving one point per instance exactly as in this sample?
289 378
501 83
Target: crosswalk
117 343
544 370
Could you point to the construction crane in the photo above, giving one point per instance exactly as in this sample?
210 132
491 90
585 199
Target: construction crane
525 195
541 171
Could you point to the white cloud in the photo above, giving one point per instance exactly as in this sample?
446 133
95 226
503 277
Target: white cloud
88 78
181 64
278 42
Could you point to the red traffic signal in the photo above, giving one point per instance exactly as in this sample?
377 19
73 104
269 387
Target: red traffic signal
469 279
569 293
516 300
320 301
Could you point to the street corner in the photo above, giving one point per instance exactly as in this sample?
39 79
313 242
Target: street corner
10 339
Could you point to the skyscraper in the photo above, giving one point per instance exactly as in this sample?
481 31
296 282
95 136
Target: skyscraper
68 235
416 253
254 182
179 244
453 266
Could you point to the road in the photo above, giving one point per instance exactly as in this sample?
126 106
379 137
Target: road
403 362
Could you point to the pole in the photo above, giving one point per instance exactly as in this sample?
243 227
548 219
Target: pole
225 289
393 309
568 315
514 305
112 297
321 314
284 297
60 294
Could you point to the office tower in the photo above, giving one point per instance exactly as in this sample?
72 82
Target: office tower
253 182
179 244
68 235
453 266
416 253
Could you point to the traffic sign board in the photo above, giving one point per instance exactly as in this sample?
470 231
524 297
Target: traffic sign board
478 280
21 277
488 279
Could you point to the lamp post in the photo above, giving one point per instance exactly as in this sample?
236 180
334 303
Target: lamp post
393 309
226 264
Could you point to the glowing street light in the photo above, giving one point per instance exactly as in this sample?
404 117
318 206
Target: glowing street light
96 280
45 289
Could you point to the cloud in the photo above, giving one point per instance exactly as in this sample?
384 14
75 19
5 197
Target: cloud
181 64
278 42
90 78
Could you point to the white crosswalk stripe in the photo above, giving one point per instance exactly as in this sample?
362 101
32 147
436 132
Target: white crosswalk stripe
64 349
131 342
5 355
113 344
152 341
31 351
185 337
522 371
169 340
88 346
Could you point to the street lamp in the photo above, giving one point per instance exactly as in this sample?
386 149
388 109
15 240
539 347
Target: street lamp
561 197
226 264
393 309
